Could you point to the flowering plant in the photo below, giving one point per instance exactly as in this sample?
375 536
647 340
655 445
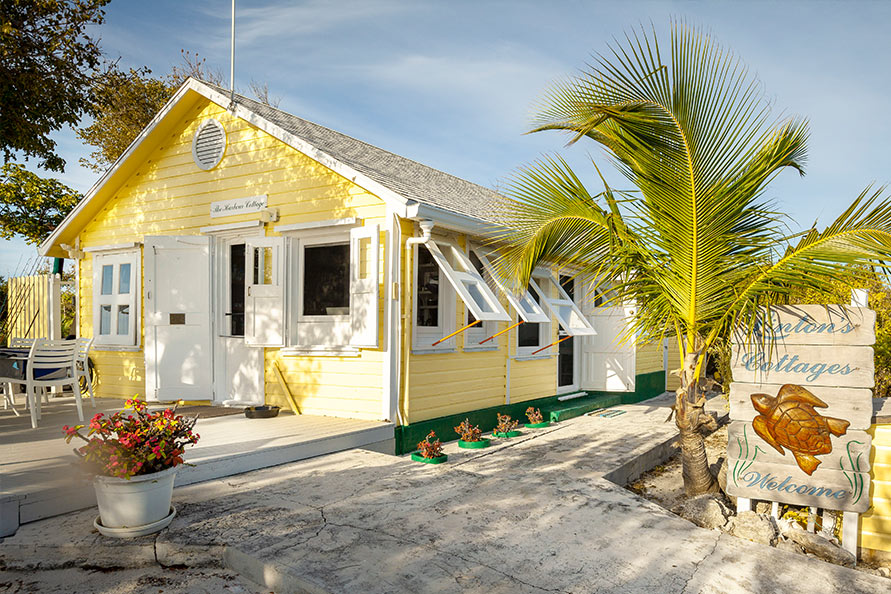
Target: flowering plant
534 416
430 449
124 445
468 432
505 424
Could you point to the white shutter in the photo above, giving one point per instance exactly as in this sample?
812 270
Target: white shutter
264 311
469 285
528 308
364 276
564 309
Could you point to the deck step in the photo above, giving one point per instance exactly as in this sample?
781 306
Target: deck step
579 406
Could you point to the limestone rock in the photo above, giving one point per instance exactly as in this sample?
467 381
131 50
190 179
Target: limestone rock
788 545
755 527
707 511
821 547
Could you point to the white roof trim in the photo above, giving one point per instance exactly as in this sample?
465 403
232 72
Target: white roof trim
231 227
113 248
393 199
353 221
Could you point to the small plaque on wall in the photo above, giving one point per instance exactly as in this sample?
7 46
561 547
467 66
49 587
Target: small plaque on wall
237 206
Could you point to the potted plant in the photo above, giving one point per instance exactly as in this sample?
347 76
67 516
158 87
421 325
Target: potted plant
535 418
430 451
471 436
506 426
133 460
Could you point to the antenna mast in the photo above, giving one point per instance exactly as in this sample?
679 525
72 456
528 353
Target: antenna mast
232 62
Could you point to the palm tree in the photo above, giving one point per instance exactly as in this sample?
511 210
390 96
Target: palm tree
695 245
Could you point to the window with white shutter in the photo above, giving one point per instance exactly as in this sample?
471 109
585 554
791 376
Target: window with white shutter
264 314
570 317
116 297
364 273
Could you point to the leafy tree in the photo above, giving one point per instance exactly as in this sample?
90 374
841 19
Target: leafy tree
47 68
31 206
696 245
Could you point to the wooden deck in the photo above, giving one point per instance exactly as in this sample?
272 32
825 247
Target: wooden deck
37 479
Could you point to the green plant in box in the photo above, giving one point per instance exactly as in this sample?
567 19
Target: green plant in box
471 436
535 418
506 426
429 450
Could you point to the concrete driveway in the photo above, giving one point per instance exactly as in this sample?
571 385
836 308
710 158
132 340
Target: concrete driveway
539 513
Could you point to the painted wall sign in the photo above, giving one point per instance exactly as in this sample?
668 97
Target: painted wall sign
799 407
236 206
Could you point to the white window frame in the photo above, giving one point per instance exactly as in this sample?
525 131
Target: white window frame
423 337
556 304
462 277
544 335
529 309
474 335
335 330
115 258
271 295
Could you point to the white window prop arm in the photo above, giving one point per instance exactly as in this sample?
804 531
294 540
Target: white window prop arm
469 285
570 317
526 305
264 313
364 249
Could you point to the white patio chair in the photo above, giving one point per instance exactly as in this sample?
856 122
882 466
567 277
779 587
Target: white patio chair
83 366
8 387
52 363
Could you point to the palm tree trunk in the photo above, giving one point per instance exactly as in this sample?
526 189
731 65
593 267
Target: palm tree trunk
690 419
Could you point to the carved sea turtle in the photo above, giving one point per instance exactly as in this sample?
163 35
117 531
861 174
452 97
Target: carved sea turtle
790 420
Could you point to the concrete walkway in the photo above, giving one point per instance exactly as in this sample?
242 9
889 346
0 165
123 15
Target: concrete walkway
533 514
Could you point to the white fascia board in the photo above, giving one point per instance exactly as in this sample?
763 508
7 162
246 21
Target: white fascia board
346 221
190 85
450 220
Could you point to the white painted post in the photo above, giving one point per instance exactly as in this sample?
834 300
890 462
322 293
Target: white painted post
743 504
850 529
775 509
811 518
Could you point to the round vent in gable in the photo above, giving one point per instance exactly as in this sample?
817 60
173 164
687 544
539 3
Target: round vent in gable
209 144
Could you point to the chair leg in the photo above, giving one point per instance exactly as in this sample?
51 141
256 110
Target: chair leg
31 396
89 381
75 387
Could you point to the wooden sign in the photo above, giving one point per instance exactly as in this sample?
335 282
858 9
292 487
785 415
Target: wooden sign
811 325
800 403
836 366
852 404
236 206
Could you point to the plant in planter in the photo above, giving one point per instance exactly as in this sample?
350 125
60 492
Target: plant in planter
471 436
535 418
506 426
430 450
133 460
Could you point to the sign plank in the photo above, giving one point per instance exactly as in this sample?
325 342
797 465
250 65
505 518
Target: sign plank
833 366
836 325
851 404
833 489
235 206
850 450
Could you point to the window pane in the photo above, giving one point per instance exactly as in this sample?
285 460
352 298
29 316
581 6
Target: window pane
105 319
124 279
428 289
123 320
478 298
107 274
326 280
262 266
236 290
528 334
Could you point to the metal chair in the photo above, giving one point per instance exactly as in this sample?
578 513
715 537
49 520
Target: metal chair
52 363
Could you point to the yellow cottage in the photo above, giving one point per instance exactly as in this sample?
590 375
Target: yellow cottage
234 240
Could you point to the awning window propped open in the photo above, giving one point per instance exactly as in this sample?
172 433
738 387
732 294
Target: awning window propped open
526 305
467 282
564 308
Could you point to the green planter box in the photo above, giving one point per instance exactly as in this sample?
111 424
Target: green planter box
474 445
417 457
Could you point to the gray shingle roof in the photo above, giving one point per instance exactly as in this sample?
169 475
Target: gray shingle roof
408 178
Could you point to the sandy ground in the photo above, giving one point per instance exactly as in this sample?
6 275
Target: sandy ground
128 581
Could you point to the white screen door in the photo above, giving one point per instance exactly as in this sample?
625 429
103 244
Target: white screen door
178 344
607 364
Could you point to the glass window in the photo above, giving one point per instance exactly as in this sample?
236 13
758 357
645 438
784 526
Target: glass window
326 280
528 333
123 279
107 279
428 289
123 320
105 319
236 289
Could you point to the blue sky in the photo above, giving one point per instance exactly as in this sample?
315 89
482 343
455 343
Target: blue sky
453 84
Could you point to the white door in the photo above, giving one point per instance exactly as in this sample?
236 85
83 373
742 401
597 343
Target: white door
178 345
238 368
607 365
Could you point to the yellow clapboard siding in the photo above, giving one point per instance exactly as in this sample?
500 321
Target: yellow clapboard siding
648 358
875 525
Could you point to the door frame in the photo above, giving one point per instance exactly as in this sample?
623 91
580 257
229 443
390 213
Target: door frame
576 344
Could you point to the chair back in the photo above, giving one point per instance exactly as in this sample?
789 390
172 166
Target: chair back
83 350
57 355
21 343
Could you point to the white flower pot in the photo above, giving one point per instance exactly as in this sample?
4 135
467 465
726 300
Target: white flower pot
135 503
